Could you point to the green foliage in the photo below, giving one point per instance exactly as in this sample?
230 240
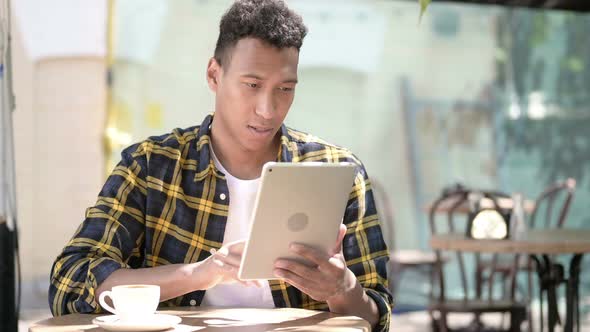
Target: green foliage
423 5
548 52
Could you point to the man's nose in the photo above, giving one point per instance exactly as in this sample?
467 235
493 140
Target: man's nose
265 107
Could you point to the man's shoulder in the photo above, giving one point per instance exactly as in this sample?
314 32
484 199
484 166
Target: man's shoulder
178 137
313 148
171 142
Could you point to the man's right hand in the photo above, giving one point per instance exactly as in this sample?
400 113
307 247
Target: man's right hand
223 266
178 279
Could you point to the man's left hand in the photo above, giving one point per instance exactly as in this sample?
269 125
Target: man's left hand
328 279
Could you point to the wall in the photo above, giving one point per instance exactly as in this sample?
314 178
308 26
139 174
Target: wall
58 127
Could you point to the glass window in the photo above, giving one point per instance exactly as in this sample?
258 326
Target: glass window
487 96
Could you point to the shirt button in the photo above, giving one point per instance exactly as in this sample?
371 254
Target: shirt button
222 196
193 302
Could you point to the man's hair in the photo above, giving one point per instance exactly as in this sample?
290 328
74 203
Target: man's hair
270 21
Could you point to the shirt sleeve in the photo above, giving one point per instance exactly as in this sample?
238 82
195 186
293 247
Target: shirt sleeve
364 248
108 239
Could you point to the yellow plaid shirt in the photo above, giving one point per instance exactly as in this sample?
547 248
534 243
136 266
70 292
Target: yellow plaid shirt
161 205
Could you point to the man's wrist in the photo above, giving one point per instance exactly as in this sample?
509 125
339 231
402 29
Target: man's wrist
355 301
196 276
340 303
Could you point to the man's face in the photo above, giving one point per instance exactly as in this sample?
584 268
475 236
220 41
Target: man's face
254 91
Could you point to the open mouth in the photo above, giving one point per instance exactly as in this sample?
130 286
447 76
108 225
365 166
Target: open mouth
262 131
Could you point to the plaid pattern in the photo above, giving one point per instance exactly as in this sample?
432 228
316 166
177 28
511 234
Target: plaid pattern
162 205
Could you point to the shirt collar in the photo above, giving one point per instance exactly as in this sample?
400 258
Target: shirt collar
205 163
287 145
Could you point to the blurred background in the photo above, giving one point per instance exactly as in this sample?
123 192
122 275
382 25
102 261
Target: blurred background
483 95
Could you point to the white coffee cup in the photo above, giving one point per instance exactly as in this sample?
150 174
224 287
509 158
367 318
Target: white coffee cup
132 302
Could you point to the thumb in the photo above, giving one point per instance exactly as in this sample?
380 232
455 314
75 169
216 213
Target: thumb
341 233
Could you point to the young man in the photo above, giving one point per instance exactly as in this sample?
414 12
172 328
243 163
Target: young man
171 211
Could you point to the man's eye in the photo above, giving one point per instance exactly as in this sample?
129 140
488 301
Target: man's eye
251 85
286 89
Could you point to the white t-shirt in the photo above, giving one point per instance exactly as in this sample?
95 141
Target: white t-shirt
242 194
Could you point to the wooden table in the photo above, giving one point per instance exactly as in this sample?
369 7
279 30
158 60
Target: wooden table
226 319
548 241
539 244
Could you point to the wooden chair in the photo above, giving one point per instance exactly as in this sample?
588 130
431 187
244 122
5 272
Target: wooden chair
472 299
551 208
402 260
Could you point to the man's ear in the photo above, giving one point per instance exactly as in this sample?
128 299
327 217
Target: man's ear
213 74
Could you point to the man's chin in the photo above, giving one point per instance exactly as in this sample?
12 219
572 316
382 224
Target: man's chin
259 146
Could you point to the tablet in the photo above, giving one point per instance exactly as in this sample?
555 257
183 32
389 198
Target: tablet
296 202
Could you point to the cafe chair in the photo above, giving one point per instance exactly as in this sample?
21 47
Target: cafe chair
421 262
550 211
470 300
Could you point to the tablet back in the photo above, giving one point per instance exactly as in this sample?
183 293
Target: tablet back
296 202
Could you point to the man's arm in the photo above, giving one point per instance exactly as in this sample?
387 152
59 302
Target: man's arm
178 279
110 238
355 302
364 248
107 249
174 280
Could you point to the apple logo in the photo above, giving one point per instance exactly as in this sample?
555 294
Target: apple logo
297 222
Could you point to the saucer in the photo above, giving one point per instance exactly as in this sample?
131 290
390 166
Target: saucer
157 322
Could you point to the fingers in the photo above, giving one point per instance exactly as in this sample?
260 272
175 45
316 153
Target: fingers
236 247
224 255
249 283
222 265
316 256
230 273
228 259
337 262
231 252
300 283
341 233
252 283
291 278
297 268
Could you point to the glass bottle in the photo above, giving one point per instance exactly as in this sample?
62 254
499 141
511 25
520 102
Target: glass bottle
517 222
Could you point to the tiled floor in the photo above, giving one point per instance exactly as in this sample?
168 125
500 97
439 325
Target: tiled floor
419 322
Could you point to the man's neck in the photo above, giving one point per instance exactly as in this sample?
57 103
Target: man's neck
241 163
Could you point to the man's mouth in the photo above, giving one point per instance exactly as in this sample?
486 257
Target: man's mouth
260 130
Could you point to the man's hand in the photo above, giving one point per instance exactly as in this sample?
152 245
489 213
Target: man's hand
178 279
222 266
329 279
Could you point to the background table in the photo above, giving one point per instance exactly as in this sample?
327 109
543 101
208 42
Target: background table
226 319
486 203
545 241
536 243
